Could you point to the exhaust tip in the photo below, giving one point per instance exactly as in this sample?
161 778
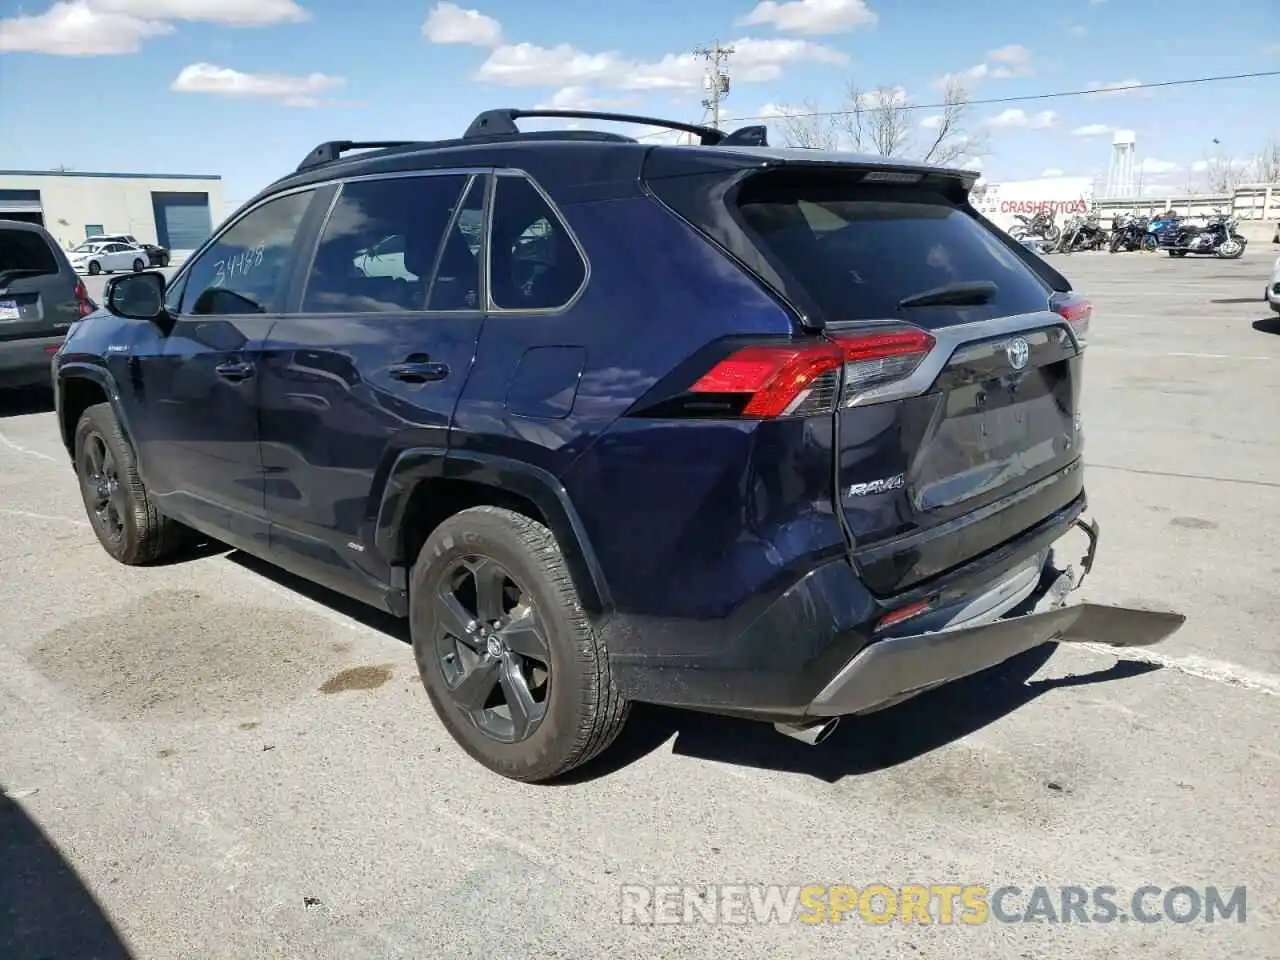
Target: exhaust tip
810 733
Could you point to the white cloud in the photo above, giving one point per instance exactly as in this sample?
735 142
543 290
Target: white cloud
811 17
1014 119
932 122
581 98
1077 30
1053 172
1150 165
81 28
1091 130
1271 50
75 30
292 91
895 96
754 61
231 13
1116 88
1011 61
449 23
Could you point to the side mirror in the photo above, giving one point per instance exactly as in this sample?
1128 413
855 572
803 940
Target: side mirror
137 296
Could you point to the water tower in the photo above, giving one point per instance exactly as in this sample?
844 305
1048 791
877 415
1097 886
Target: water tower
1120 179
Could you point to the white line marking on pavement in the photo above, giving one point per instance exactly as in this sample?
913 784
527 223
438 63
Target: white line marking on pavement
30 515
1104 348
18 448
1202 668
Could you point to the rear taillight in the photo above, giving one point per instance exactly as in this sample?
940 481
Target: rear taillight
1077 311
84 304
787 380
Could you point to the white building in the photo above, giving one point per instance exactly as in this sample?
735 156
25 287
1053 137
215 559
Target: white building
173 210
1062 196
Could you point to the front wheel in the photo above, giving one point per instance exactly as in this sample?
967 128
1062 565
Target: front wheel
1230 249
511 663
123 518
1052 232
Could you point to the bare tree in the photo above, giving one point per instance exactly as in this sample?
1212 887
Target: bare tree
1266 165
809 127
882 122
1222 174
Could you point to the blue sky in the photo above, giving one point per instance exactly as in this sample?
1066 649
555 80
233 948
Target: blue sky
245 88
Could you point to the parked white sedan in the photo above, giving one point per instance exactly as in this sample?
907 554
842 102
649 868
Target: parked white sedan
1273 287
96 258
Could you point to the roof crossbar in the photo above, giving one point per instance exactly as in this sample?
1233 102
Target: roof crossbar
503 123
331 150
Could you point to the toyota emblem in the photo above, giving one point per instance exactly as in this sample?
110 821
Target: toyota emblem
1019 352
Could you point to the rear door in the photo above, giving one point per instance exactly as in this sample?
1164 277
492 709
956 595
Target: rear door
37 287
957 427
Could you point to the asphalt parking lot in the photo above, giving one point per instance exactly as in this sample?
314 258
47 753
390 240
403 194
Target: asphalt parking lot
212 760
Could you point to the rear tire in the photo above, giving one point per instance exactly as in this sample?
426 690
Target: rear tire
543 664
123 518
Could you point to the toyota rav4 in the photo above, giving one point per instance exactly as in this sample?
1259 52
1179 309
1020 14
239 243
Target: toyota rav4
780 434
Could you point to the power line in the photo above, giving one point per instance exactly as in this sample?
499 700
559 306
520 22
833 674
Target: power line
990 101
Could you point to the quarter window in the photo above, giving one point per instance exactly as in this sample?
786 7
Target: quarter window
382 249
241 273
534 263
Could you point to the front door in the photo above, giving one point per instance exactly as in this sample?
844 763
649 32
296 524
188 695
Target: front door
372 362
196 418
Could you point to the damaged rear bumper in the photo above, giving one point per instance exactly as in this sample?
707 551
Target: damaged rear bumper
895 668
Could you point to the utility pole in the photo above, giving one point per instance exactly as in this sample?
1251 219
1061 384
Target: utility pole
716 80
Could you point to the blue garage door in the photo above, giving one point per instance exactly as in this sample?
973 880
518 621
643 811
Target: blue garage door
182 219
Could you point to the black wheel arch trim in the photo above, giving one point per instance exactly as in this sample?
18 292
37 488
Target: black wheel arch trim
417 465
83 370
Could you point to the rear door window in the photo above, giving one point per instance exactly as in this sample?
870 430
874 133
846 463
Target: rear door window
24 253
858 250
382 246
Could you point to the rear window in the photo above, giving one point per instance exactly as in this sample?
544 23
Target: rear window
858 250
26 251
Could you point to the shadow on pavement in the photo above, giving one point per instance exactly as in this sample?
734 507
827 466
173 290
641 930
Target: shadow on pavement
337 602
46 911
859 745
1267 325
25 401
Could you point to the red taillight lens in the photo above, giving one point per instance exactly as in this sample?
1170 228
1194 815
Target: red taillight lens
83 302
1077 311
804 379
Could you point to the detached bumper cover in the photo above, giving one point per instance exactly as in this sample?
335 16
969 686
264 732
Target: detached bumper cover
896 667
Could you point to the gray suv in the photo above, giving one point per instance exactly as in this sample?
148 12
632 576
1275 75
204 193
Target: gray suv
40 298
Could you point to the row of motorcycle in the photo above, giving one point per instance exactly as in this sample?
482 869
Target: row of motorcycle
1217 235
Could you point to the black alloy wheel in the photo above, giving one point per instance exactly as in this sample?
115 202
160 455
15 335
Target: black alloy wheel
104 494
492 649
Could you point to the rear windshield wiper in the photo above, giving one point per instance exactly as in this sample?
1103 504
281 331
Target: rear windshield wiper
15 272
972 293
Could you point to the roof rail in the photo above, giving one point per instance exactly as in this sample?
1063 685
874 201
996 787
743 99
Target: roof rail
331 150
503 123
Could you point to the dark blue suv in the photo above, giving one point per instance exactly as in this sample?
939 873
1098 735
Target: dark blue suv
779 434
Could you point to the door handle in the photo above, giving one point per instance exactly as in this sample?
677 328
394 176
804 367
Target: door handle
234 370
419 372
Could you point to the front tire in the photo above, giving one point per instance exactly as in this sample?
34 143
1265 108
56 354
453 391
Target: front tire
509 659
1230 249
124 519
